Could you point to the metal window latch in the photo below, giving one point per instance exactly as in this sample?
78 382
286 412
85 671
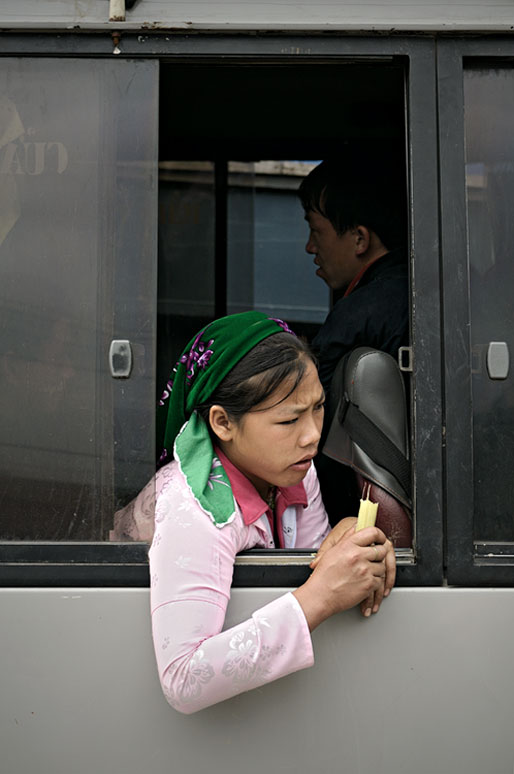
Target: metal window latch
497 360
120 358
406 359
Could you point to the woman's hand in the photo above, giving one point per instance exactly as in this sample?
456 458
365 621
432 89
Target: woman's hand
340 529
373 602
359 568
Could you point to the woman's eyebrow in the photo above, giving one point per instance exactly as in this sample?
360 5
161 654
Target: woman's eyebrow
300 408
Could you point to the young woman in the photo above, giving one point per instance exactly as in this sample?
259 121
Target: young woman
242 417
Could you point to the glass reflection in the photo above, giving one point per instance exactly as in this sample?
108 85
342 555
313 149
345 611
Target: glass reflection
489 112
70 175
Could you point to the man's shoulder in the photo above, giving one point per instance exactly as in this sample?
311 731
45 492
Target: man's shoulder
368 300
393 264
385 280
375 307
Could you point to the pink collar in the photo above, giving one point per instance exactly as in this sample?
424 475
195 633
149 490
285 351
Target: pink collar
249 500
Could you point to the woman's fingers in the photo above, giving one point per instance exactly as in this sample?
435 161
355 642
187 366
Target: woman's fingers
379 553
359 568
385 557
390 567
369 536
366 605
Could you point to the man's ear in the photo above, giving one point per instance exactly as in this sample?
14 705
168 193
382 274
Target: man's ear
362 239
220 422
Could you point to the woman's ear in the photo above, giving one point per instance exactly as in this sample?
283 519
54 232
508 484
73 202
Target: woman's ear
220 422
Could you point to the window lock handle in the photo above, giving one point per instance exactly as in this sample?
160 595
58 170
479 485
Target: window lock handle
120 358
497 360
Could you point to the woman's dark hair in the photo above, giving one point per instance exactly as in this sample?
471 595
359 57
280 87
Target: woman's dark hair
274 360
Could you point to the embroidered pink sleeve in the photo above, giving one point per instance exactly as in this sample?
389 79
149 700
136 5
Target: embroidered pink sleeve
191 563
312 523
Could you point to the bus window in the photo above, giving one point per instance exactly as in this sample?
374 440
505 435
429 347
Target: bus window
186 274
267 266
75 208
235 143
490 194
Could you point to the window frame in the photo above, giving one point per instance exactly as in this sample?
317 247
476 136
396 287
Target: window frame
108 564
469 562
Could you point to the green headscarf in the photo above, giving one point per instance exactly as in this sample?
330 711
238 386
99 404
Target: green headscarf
205 362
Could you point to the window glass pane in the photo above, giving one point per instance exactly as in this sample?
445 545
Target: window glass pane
268 268
76 200
489 115
186 257
264 249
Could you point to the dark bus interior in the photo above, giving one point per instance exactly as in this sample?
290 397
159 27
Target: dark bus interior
221 114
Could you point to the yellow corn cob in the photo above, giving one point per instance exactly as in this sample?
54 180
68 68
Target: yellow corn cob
367 513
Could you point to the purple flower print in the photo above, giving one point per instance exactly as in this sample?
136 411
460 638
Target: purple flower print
166 394
285 327
216 478
199 356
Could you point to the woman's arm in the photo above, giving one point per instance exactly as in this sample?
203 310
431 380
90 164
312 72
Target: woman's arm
199 665
191 564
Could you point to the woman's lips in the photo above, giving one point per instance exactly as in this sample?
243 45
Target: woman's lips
302 464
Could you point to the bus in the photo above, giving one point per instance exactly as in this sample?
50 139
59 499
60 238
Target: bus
150 154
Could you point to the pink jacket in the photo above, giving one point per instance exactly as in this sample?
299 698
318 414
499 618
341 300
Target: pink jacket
191 565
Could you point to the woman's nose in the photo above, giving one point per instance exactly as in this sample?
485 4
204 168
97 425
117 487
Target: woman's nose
312 431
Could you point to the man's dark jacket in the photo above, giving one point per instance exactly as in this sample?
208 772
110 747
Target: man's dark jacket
375 314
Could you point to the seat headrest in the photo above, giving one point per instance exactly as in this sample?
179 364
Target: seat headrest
369 428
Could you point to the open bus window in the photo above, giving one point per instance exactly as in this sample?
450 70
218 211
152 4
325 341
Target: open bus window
232 233
186 276
266 267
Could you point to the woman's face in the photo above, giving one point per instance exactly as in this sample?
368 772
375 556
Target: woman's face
274 443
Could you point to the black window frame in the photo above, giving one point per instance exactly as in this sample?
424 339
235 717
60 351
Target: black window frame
108 564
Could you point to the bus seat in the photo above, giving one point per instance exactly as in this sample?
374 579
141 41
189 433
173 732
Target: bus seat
368 432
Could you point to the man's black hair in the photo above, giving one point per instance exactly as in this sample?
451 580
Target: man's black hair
353 192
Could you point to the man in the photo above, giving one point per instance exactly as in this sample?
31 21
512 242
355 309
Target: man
357 220
356 217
